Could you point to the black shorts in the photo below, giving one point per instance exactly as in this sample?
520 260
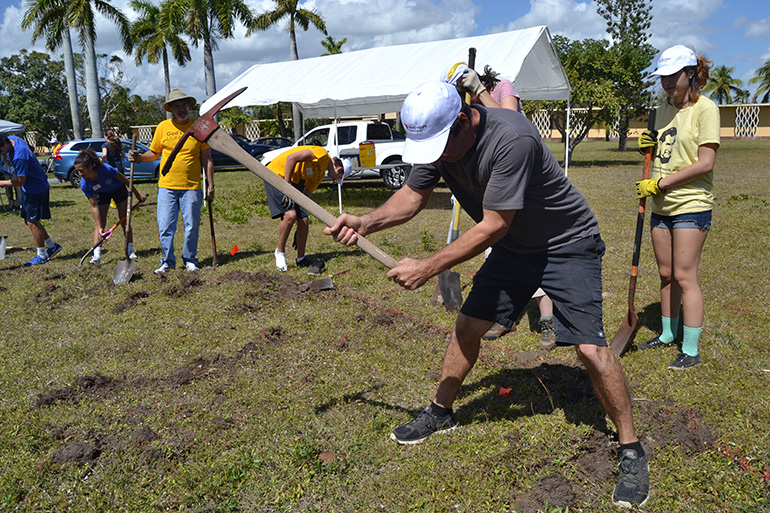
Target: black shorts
35 207
571 276
275 197
118 195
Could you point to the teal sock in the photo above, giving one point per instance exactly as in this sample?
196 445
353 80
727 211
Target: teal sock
690 342
669 326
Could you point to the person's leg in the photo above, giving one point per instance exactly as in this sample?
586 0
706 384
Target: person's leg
303 228
39 233
688 244
190 203
460 356
100 217
284 229
545 305
670 293
610 386
168 215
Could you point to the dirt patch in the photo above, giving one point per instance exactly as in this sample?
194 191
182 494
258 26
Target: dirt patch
666 423
200 368
76 452
187 283
554 489
133 299
143 435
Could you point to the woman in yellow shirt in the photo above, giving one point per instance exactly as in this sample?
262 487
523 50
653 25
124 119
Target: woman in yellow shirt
686 140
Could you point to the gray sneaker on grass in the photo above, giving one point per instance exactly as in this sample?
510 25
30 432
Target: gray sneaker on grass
633 488
422 426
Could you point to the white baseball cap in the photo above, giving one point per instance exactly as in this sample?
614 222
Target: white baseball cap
453 73
427 115
674 59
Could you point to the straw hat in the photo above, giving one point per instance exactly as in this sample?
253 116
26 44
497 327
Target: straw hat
177 94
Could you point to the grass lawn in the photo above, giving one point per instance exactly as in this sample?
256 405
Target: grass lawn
232 390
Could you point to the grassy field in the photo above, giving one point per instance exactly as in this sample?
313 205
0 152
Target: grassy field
231 390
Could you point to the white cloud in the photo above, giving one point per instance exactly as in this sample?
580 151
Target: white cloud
575 20
759 29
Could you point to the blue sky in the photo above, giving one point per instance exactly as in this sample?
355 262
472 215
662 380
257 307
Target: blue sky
731 32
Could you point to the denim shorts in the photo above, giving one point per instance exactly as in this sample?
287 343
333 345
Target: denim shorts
571 276
699 220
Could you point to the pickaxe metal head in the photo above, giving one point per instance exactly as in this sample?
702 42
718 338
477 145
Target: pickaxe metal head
202 129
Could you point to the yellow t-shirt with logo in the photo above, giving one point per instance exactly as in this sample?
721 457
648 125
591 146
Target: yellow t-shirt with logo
186 171
312 172
680 133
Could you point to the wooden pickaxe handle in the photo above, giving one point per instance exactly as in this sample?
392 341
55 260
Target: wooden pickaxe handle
222 142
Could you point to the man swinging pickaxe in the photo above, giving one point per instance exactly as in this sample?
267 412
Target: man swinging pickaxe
206 129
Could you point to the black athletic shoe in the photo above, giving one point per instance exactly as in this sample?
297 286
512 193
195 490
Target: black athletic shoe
305 262
653 343
685 361
317 267
422 426
633 480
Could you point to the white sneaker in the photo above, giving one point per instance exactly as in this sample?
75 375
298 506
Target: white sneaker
133 256
162 269
191 267
95 260
280 261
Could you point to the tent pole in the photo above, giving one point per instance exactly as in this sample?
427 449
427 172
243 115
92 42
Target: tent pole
337 150
566 143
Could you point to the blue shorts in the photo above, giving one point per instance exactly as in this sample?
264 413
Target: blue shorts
699 220
571 276
35 207
275 197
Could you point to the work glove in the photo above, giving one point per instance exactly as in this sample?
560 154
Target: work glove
646 188
287 203
648 139
134 156
471 82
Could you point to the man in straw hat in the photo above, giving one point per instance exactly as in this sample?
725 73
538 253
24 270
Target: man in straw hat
542 233
180 190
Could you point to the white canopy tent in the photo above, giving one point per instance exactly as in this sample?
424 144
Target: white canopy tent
376 81
9 127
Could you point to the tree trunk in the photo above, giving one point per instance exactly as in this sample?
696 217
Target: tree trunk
208 67
72 86
167 78
296 114
279 118
93 95
623 130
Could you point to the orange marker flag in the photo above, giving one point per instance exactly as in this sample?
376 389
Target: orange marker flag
234 250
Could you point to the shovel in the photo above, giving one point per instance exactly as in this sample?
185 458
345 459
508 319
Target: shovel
105 236
627 330
3 242
324 283
125 269
448 290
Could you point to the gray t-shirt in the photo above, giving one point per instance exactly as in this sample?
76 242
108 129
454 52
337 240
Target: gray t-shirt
510 168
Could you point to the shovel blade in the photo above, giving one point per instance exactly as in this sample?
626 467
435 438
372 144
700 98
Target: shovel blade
451 291
123 272
317 285
3 242
625 334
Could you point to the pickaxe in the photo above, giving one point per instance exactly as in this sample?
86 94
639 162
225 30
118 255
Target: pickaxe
206 129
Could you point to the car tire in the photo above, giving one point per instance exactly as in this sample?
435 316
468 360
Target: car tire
73 178
395 177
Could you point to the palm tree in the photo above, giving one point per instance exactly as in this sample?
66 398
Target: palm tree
762 77
154 33
47 19
296 17
332 46
208 21
721 84
742 96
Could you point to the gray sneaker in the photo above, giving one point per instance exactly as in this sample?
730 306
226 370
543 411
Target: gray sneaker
422 426
633 486
685 361
653 343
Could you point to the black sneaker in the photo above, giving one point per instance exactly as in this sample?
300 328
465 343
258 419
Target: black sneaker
422 426
305 262
317 267
633 480
685 361
653 343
